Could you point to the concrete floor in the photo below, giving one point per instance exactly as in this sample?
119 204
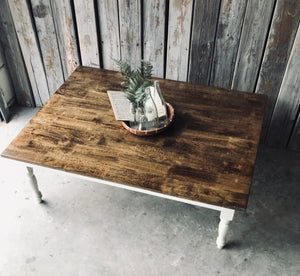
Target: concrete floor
91 229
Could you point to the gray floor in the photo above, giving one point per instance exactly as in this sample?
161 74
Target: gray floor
90 229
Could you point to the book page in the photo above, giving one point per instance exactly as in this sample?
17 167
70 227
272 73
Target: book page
120 105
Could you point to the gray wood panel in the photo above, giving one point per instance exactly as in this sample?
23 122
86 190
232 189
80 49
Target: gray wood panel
180 20
87 32
227 41
44 24
204 28
4 110
255 29
30 50
154 34
280 41
288 102
14 58
109 32
130 31
294 143
64 26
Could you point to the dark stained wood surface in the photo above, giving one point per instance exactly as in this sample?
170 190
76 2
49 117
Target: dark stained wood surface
207 155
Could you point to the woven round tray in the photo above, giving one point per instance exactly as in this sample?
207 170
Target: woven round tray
154 131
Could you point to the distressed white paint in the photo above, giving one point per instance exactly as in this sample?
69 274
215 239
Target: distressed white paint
130 31
226 217
180 20
109 32
14 59
154 35
30 50
47 39
87 32
34 184
64 26
226 214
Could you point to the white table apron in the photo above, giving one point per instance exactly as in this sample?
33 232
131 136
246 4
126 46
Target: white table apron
226 214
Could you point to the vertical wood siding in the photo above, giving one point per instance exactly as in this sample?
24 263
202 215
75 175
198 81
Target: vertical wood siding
65 32
48 43
108 16
180 20
245 45
87 32
30 50
280 41
130 31
203 40
255 28
154 34
227 42
287 105
13 54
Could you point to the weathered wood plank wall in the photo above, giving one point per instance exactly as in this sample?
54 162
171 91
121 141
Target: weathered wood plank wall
87 32
257 17
31 52
65 32
130 31
205 22
13 54
281 37
245 45
44 24
180 19
154 34
108 17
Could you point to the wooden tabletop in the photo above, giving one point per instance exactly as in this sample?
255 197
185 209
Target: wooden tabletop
207 155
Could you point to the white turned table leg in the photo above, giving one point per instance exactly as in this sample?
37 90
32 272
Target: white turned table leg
34 185
226 217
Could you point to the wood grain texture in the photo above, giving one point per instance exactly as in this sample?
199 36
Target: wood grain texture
154 34
4 110
14 57
280 41
287 106
179 30
87 32
44 24
130 31
109 32
205 20
64 26
252 42
207 155
227 41
30 51
294 142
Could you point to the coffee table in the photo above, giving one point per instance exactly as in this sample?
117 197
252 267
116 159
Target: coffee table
206 158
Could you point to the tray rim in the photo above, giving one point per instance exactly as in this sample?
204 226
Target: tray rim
171 113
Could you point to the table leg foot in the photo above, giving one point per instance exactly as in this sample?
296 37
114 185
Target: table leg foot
226 217
34 184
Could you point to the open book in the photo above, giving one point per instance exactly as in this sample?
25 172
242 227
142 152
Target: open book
121 105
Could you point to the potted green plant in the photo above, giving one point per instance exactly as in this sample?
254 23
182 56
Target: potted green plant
147 103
